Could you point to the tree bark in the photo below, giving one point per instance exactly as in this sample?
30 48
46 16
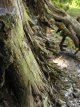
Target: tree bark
23 56
27 74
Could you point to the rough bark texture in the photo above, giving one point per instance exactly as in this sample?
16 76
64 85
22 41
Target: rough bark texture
24 52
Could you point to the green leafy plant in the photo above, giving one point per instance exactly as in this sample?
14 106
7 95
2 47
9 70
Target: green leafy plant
62 4
75 3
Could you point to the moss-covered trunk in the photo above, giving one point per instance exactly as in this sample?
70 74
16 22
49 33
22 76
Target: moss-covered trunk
23 53
26 75
26 52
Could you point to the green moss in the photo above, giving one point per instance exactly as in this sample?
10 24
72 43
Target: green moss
24 56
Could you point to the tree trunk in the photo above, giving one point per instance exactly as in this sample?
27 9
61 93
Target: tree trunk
23 25
25 70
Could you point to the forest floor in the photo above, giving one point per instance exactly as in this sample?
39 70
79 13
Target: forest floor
71 91
69 88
